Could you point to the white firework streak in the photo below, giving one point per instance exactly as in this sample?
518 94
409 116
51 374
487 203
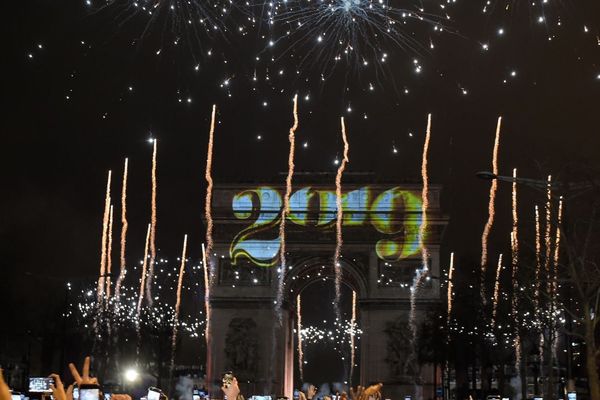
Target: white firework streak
285 212
124 227
178 303
450 295
491 210
338 224
299 333
152 229
422 272
101 278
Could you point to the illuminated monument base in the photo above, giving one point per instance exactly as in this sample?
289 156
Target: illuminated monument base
380 255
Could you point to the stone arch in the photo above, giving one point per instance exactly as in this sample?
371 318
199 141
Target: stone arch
306 270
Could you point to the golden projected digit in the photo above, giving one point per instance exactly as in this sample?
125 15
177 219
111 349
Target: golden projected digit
397 212
262 206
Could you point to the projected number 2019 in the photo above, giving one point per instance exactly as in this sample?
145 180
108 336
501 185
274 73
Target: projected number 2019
394 214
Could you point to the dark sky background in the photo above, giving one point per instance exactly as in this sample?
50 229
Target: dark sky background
56 150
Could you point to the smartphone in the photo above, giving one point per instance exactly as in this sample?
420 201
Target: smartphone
571 395
227 379
296 394
107 396
76 393
40 385
16 396
154 393
89 392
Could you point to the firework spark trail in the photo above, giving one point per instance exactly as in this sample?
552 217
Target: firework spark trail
548 238
178 304
352 337
124 226
515 219
338 224
421 273
285 212
152 230
299 330
515 301
209 268
207 311
491 210
143 277
450 287
496 291
538 258
105 219
557 249
109 254
209 189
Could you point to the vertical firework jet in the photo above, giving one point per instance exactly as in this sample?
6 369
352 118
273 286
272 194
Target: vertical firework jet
515 305
109 254
557 248
209 189
352 337
178 304
548 238
138 309
450 288
515 271
101 278
124 226
152 229
338 224
421 273
491 210
143 277
538 258
207 312
299 332
286 211
496 291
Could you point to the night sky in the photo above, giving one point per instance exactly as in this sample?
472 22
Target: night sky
86 86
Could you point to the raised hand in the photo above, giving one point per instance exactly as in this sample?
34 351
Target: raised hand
232 391
84 378
4 390
357 394
311 392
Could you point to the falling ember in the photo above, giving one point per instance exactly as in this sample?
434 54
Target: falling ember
207 311
109 254
496 291
209 189
450 287
299 332
538 257
124 226
105 219
338 225
491 209
178 303
422 272
152 230
286 211
352 337
548 238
